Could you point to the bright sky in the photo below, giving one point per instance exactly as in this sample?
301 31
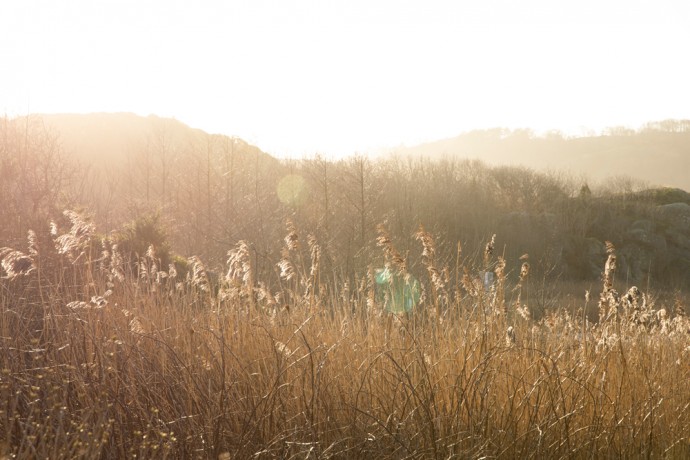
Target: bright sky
297 77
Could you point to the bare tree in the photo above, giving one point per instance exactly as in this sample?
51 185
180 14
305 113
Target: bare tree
34 175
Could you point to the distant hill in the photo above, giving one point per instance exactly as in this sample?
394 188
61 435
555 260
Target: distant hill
108 138
658 154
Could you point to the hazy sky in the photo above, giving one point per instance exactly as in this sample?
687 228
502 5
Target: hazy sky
335 77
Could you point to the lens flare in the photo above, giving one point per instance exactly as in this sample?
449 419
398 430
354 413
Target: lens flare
292 190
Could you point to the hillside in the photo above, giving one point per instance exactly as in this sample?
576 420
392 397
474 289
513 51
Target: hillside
658 154
112 137
120 167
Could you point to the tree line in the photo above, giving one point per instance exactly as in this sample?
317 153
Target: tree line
210 191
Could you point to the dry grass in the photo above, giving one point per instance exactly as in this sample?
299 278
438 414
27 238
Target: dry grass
98 364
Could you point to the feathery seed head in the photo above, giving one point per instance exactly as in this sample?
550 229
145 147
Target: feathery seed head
292 238
489 249
15 263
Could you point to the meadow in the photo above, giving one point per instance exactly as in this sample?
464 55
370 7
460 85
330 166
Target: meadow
108 357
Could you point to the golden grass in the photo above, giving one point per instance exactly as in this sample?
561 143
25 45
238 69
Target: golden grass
94 365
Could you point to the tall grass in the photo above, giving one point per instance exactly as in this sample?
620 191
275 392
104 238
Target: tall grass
100 362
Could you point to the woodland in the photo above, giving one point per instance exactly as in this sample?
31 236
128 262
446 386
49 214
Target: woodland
199 194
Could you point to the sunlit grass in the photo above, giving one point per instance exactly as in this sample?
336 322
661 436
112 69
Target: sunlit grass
98 363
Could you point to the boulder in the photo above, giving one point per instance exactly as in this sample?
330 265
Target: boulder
676 238
646 238
644 224
675 215
636 262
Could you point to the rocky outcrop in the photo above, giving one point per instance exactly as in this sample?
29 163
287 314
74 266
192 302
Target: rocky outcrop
655 247
675 215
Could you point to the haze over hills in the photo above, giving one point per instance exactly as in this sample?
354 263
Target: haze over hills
111 137
659 153
129 166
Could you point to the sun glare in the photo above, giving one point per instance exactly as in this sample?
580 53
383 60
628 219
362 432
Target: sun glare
306 77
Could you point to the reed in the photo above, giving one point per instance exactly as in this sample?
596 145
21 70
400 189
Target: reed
99 362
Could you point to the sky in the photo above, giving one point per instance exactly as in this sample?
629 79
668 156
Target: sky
301 77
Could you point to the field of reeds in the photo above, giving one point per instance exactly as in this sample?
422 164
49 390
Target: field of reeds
104 357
